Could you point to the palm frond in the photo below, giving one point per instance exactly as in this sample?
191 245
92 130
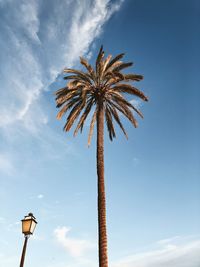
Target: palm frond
111 81
117 119
84 116
99 57
71 77
126 88
120 99
106 61
104 84
94 117
61 91
137 111
113 77
118 75
133 77
114 60
122 66
60 100
75 84
85 63
125 111
109 123
80 74
73 115
66 108
99 64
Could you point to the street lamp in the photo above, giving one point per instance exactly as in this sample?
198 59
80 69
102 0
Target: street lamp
28 226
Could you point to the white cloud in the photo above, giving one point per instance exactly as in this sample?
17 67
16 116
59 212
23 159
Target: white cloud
37 42
74 246
40 196
175 252
168 240
86 26
22 80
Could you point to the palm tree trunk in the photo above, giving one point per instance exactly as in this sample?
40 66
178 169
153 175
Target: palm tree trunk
103 257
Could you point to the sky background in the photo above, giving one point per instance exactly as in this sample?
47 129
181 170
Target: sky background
152 180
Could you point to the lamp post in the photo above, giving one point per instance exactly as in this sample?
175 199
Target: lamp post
28 226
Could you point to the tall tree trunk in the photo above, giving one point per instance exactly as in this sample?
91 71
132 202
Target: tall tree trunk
103 257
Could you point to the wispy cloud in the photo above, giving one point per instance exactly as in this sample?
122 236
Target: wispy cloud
40 196
86 26
74 246
175 252
38 41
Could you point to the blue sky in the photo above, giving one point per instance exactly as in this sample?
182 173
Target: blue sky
152 180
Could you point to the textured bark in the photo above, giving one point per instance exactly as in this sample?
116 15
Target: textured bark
103 257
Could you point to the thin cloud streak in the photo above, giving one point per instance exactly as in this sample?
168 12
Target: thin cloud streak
36 53
175 252
86 26
38 40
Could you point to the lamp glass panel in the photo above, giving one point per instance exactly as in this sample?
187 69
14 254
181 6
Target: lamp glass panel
33 225
26 225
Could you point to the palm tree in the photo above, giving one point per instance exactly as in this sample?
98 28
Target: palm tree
102 88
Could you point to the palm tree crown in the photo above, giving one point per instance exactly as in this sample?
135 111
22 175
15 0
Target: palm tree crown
104 85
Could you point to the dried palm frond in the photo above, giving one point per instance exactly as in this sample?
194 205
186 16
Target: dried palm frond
114 60
94 117
122 66
126 88
105 84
